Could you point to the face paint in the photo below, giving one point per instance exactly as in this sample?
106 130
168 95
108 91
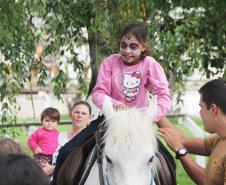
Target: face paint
130 49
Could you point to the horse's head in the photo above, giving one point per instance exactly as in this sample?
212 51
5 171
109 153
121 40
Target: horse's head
130 145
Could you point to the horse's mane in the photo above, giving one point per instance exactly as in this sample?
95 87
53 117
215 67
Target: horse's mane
129 130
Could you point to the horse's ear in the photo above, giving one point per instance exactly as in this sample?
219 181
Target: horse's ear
107 109
152 107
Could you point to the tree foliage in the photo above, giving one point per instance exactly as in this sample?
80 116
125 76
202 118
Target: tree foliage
183 36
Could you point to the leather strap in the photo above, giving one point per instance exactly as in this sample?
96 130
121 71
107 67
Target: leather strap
99 158
88 166
164 175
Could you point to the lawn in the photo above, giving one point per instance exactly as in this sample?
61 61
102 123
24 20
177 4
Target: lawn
182 178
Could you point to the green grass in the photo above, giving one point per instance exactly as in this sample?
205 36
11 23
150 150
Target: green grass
182 177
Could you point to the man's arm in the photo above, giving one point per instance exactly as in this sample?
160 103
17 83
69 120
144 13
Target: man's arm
195 146
192 144
195 172
165 123
176 140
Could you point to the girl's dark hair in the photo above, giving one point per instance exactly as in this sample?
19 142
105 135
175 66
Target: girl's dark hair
20 170
139 32
52 113
82 103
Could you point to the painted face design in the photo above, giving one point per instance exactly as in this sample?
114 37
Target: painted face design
130 49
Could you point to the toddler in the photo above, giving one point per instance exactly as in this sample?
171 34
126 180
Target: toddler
43 142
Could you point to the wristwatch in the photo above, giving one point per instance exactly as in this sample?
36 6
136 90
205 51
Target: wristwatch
181 152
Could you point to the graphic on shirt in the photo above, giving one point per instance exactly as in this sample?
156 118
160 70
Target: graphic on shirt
131 82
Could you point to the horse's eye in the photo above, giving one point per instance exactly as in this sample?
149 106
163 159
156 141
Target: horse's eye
108 159
151 159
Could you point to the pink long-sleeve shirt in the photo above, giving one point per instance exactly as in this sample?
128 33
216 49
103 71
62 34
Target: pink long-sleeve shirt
130 85
47 140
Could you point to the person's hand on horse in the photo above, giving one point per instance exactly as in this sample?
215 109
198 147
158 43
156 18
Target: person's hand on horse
182 136
165 123
172 138
120 107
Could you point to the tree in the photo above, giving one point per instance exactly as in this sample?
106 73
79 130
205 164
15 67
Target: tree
183 36
16 52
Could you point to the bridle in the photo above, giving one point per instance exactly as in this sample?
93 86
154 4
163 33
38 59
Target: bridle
99 151
99 159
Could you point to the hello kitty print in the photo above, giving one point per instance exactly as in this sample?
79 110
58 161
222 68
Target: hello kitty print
131 83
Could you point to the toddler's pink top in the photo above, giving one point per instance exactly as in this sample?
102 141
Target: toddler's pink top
130 85
47 140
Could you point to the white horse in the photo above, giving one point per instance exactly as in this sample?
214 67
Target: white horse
125 155
130 145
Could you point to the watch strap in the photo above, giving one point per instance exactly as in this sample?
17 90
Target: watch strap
179 153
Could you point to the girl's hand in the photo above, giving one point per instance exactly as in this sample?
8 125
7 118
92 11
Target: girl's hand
171 137
38 150
120 107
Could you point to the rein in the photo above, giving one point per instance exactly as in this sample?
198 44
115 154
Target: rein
163 175
151 179
99 158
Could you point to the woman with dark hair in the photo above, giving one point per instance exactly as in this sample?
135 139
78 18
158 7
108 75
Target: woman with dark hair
80 115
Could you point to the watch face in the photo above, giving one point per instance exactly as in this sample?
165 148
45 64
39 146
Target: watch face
182 151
